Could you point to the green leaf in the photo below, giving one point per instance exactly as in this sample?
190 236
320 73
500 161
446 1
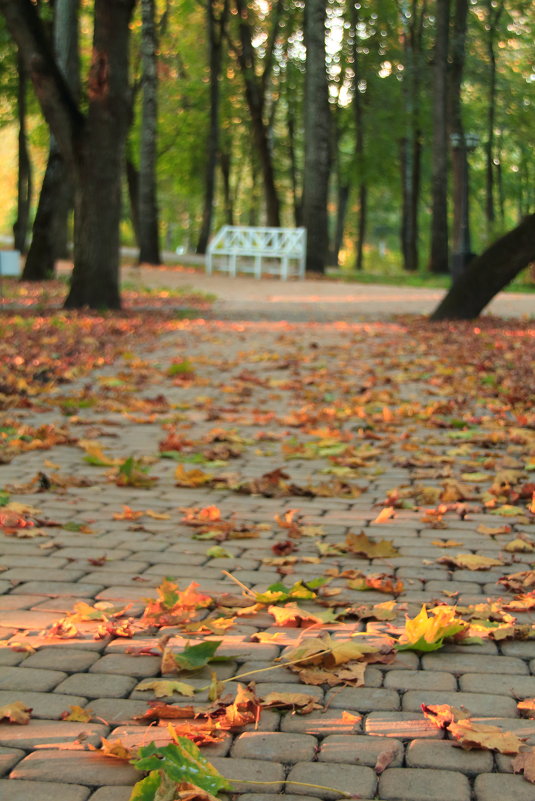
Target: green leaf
218 552
195 657
4 498
278 592
178 368
181 762
146 789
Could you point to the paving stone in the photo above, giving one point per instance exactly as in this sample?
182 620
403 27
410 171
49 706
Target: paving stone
402 725
36 573
275 746
74 767
477 703
516 686
360 750
46 733
111 794
473 663
351 779
420 680
362 699
55 588
117 710
283 797
97 685
69 660
26 619
525 649
444 754
10 657
412 784
503 787
9 602
9 758
242 771
11 790
23 678
406 660
321 724
44 705
127 665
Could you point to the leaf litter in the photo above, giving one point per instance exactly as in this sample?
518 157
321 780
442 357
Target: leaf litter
474 461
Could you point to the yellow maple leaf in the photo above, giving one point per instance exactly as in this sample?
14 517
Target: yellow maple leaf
470 561
15 712
77 714
164 687
424 633
191 478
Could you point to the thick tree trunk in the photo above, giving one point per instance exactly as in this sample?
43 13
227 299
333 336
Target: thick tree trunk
489 273
149 242
24 178
50 227
439 258
99 166
317 139
216 28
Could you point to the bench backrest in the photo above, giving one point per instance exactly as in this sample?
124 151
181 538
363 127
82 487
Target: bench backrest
262 241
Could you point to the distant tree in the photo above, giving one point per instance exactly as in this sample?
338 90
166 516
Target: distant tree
91 144
147 222
24 177
216 22
489 273
439 256
317 138
50 227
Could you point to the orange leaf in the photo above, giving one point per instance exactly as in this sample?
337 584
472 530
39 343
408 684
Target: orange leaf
385 514
77 714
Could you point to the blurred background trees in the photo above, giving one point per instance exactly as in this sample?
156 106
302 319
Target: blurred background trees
400 132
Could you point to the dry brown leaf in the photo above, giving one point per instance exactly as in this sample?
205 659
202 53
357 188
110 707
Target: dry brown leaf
114 749
298 702
493 531
293 616
16 712
185 791
384 759
362 545
470 561
77 714
519 545
443 714
524 763
527 707
478 735
158 710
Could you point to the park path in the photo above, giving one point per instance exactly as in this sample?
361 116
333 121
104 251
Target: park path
311 300
352 413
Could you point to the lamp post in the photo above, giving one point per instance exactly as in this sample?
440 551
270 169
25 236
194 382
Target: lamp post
462 144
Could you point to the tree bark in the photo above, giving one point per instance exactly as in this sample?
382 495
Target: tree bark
494 13
225 162
149 241
255 94
99 164
358 110
439 257
459 158
24 178
50 227
489 273
317 139
216 28
341 212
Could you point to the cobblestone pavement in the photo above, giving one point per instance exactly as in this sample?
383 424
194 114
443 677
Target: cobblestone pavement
254 393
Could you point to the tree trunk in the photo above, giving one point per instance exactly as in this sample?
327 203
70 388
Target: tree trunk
255 94
216 28
459 159
317 139
132 185
225 164
494 12
439 259
341 212
99 166
149 242
91 145
50 227
360 150
24 179
489 273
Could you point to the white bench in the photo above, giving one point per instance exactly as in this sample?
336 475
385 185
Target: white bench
245 249
9 262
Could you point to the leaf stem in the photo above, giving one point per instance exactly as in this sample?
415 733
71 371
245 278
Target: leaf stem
264 670
246 589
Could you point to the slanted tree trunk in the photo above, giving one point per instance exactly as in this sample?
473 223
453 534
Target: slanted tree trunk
24 178
439 259
317 138
489 273
149 240
50 227
216 26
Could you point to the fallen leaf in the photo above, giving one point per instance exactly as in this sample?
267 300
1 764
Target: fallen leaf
163 688
114 749
527 707
298 702
362 545
77 714
474 735
158 710
470 561
385 514
524 763
425 633
16 712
